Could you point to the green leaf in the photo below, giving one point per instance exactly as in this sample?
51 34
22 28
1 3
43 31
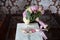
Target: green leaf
28 15
32 16
38 13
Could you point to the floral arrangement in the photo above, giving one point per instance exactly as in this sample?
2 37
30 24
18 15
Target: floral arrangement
29 15
33 13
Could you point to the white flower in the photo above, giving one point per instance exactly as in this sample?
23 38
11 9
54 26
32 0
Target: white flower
29 9
26 21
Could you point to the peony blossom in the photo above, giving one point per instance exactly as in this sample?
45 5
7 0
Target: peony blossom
33 8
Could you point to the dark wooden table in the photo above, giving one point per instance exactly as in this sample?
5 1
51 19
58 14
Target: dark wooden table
2 19
4 22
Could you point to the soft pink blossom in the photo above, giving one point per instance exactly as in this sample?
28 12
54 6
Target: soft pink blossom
34 7
24 13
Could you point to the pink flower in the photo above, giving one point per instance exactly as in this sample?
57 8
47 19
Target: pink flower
33 8
24 13
33 30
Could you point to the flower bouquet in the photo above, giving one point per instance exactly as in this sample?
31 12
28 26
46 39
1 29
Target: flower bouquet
33 13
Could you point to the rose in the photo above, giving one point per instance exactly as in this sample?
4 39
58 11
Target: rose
33 8
33 30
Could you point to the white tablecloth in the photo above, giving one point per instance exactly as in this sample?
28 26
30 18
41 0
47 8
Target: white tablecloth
22 36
